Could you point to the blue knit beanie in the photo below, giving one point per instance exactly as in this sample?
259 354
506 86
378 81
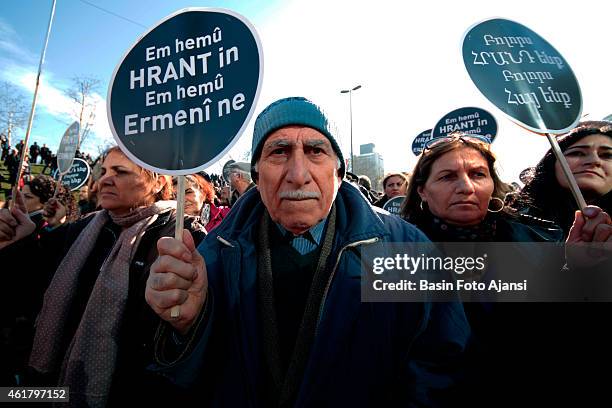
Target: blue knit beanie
291 111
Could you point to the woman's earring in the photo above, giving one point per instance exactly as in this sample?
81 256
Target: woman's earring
500 208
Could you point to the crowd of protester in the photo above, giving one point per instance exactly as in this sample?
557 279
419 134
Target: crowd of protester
11 156
267 317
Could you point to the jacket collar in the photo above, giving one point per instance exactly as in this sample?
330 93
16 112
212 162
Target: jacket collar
350 227
356 220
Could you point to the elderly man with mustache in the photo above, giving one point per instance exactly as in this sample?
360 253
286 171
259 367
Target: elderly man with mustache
270 304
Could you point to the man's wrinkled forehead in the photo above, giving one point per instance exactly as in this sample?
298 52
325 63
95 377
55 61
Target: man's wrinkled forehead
282 142
294 135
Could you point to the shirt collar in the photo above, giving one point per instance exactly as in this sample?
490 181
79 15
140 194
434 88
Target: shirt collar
315 233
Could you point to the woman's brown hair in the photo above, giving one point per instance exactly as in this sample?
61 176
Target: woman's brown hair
411 208
165 193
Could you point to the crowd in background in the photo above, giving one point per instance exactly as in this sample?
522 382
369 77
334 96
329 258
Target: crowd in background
36 154
453 194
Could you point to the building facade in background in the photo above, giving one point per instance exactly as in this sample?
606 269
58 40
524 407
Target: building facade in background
370 163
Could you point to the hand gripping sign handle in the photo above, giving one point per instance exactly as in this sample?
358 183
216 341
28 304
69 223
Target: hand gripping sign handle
175 312
567 172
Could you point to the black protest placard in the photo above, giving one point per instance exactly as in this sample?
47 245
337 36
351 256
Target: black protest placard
394 204
68 147
77 175
523 75
184 92
470 120
418 144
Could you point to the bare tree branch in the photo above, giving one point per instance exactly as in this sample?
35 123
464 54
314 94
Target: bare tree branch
81 93
13 108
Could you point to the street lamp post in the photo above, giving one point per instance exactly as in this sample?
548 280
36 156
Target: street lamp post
350 92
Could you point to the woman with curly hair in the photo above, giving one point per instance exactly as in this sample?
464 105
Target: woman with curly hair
36 193
46 211
59 210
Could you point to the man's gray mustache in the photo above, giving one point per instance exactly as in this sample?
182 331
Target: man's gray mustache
299 194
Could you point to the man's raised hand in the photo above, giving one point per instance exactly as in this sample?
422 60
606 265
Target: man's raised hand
177 278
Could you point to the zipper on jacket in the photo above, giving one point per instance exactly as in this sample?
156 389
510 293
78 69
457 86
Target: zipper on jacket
331 276
225 242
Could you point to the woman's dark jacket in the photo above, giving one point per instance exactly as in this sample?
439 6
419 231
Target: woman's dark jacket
35 260
531 354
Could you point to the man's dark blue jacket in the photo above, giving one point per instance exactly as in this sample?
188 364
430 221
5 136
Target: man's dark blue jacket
364 354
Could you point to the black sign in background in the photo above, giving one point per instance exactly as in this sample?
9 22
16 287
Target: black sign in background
394 204
469 120
77 175
523 75
418 144
190 147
